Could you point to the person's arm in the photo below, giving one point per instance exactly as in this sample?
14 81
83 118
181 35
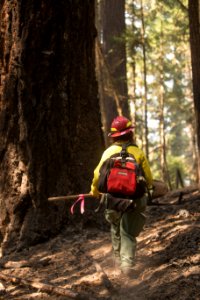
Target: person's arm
107 153
147 171
94 191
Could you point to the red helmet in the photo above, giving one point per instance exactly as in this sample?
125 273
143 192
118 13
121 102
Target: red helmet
120 126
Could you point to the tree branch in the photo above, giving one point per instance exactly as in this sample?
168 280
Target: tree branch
185 8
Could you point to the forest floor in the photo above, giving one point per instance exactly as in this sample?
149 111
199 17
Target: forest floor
78 263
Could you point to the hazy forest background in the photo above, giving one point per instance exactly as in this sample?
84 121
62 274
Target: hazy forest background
66 70
159 81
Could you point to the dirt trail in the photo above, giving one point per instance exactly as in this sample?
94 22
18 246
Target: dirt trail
80 260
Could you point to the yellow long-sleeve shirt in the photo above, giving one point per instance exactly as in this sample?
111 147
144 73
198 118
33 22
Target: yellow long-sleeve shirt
113 149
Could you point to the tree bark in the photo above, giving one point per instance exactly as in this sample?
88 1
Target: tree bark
146 131
49 114
194 21
114 50
163 148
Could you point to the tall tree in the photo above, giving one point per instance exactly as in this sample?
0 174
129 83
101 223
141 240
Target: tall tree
112 38
49 113
144 44
136 47
194 21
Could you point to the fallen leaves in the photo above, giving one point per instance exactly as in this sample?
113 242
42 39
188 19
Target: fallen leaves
79 260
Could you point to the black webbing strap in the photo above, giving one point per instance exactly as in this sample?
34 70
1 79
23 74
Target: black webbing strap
124 152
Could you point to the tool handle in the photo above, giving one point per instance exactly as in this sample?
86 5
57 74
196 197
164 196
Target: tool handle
71 197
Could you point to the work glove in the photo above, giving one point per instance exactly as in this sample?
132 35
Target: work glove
150 195
102 199
151 191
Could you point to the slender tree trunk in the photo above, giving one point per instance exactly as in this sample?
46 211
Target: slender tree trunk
192 124
194 20
133 116
49 114
132 71
163 151
146 131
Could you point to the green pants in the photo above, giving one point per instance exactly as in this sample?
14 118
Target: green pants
125 227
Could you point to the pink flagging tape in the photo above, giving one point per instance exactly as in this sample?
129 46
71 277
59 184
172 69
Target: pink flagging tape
80 199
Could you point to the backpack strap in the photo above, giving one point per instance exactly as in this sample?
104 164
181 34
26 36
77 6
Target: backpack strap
124 152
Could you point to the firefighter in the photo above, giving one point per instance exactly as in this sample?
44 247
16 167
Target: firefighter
127 225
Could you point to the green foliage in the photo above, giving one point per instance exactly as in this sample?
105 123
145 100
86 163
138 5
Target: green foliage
168 77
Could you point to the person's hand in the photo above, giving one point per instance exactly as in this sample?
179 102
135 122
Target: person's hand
150 195
151 192
96 195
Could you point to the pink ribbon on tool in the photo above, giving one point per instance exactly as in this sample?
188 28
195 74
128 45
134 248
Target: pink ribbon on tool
82 204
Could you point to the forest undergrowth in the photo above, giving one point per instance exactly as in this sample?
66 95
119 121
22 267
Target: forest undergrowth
78 263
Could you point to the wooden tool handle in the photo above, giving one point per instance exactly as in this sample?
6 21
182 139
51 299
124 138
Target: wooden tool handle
71 197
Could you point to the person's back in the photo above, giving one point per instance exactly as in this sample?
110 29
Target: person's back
125 225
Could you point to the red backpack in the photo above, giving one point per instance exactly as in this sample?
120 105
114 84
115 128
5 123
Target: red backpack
121 175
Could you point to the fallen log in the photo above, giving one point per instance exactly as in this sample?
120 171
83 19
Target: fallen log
44 287
160 189
188 198
183 191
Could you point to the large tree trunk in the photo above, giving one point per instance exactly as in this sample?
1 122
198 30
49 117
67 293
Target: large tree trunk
111 35
194 19
49 114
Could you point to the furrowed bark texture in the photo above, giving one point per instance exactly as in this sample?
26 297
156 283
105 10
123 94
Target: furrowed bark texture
50 129
194 21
